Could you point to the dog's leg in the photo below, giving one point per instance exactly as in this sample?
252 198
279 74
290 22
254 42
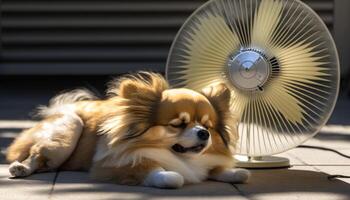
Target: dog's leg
24 168
146 173
230 175
55 139
164 179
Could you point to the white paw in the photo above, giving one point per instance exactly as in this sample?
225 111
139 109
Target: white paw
164 179
241 175
18 169
236 175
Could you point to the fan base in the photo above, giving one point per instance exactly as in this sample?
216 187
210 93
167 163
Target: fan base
261 162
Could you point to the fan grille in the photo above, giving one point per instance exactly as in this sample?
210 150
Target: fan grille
298 94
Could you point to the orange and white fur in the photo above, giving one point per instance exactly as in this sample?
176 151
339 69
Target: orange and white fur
144 133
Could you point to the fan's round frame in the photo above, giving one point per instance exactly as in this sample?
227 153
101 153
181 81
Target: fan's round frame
331 42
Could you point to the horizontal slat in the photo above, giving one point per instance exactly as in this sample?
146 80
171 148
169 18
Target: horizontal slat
100 6
105 23
92 22
124 6
80 68
321 6
82 38
87 54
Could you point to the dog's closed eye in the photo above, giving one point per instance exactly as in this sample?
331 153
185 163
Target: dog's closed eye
181 122
206 122
178 123
182 125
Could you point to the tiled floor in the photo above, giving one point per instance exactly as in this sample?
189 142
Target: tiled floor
307 179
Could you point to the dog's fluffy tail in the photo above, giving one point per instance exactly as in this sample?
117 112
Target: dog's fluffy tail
62 102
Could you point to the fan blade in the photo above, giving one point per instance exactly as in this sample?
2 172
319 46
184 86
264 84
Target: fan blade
266 20
209 43
299 63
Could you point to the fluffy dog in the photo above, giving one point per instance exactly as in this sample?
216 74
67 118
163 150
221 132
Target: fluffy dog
144 133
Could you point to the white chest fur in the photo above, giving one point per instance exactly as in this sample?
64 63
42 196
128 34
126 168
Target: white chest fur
194 169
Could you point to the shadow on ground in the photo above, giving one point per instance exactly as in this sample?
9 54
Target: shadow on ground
293 181
6 138
333 136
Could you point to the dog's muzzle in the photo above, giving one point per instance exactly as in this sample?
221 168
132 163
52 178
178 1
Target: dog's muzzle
203 136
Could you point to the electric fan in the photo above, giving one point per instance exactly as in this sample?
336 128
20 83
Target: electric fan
278 59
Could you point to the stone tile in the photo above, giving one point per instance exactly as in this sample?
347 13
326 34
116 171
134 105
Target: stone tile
332 136
320 157
35 187
300 182
337 145
76 185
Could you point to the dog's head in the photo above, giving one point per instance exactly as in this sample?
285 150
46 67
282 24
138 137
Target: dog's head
183 121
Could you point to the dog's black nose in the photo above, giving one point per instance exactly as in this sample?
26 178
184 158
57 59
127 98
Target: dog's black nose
203 134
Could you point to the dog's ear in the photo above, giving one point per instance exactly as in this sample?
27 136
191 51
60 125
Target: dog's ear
137 97
219 96
139 85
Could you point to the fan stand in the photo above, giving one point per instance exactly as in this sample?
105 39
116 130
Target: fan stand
261 162
249 70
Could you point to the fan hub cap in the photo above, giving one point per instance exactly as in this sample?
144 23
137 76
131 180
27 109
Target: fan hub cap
248 70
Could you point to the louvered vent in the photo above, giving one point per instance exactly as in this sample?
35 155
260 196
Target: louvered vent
96 36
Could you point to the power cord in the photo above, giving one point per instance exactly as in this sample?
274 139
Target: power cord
330 177
335 176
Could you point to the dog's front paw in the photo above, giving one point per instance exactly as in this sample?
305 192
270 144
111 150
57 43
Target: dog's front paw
18 169
236 175
164 179
240 175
